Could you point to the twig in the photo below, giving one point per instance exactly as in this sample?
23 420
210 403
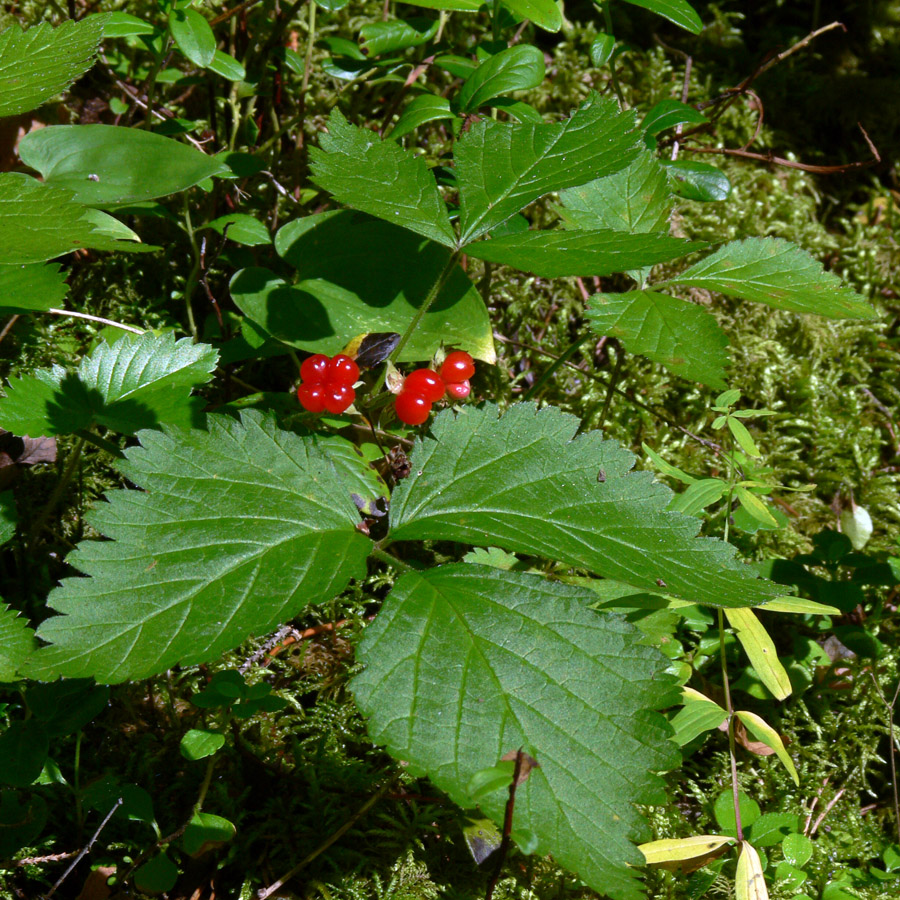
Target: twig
685 88
503 849
222 17
8 326
267 892
84 850
800 45
827 809
790 164
99 319
890 708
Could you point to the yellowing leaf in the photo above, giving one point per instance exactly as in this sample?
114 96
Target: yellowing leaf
759 647
749 883
800 605
763 731
684 854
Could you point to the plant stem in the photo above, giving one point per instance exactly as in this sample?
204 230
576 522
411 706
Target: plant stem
613 382
558 363
310 44
58 491
99 319
100 442
607 18
193 278
391 560
426 305
732 754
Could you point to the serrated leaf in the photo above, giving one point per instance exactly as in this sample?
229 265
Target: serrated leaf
760 650
465 663
193 36
557 254
504 166
522 483
635 199
424 108
105 165
380 178
778 273
679 12
16 643
361 274
31 288
38 222
131 384
681 336
763 731
517 68
41 62
240 528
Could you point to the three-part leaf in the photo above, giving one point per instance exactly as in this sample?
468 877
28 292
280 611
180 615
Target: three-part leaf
126 386
502 167
237 529
681 336
522 483
466 663
381 178
779 273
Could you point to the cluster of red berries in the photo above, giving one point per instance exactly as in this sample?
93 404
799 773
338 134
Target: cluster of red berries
423 387
327 384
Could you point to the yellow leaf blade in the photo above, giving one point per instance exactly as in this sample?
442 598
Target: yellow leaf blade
763 731
749 883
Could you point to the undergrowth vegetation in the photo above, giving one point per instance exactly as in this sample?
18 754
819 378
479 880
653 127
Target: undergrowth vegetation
618 618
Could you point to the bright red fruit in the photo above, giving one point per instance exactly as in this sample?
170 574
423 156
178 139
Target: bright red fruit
413 409
425 382
457 367
313 370
342 370
338 397
312 397
459 390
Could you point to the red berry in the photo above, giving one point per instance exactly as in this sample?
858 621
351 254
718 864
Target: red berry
413 409
342 370
312 396
457 367
312 370
458 390
338 397
425 382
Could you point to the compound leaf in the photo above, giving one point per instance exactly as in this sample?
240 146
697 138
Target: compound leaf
131 384
16 643
466 663
557 254
106 165
41 62
31 288
517 68
381 178
504 166
776 272
522 483
237 529
681 336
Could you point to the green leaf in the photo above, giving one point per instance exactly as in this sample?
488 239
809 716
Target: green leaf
698 496
227 66
462 5
41 62
635 199
760 650
131 384
23 751
504 166
742 436
800 606
206 832
679 12
666 467
695 718
240 528
399 34
763 731
362 275
466 663
669 113
31 288
517 68
522 483
193 36
697 181
38 222
22 819
798 849
723 810
156 876
754 506
602 49
424 108
780 274
544 13
681 336
557 254
9 520
242 229
120 24
104 165
381 178
198 743
16 643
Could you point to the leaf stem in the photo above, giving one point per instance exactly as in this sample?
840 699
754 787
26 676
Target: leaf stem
100 443
613 382
391 560
607 19
99 319
732 751
193 278
61 485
